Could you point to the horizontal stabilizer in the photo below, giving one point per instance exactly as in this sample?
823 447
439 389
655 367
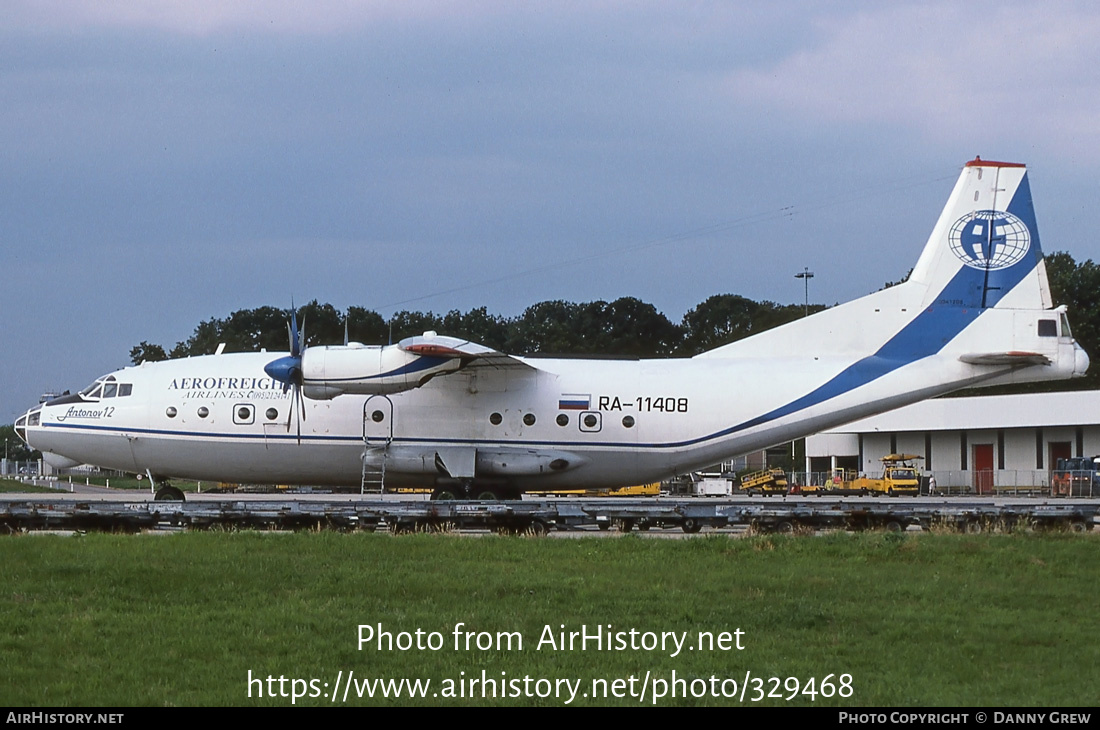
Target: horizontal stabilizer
1005 358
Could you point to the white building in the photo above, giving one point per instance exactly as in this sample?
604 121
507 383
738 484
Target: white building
969 443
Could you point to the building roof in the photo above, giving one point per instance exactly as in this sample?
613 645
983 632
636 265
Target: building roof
1029 410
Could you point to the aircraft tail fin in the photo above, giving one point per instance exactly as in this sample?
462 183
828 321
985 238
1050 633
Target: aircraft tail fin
984 251
983 254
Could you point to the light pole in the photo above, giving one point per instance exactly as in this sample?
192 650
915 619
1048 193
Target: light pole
806 275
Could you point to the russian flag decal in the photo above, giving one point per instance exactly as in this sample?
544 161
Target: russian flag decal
574 401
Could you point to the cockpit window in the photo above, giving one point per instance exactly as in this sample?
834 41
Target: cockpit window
107 387
1065 326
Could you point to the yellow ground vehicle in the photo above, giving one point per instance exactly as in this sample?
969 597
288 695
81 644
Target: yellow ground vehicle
899 476
641 490
767 481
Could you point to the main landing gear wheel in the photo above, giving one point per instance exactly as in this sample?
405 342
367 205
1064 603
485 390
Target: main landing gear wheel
691 525
169 494
447 494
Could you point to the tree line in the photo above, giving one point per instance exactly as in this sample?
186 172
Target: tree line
626 327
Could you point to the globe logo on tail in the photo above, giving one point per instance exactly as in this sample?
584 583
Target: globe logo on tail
989 239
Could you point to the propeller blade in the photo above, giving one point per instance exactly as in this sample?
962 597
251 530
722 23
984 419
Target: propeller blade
301 413
295 336
288 371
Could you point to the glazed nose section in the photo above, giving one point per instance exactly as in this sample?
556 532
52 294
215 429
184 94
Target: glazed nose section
31 418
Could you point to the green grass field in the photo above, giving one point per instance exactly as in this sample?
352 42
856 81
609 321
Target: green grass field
14 485
915 620
129 482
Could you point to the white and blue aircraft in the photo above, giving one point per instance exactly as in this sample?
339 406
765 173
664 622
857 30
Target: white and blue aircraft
465 420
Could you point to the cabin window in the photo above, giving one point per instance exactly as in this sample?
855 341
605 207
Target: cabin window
529 419
110 390
377 416
271 414
563 420
591 421
628 421
495 419
171 412
203 412
243 414
1048 328
125 389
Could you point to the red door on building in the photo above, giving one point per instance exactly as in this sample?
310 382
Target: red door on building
1059 450
983 468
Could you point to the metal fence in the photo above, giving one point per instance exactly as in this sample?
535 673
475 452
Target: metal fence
12 468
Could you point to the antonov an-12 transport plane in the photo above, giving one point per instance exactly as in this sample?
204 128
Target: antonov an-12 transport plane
467 421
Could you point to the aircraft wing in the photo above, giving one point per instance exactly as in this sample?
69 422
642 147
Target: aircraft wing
472 354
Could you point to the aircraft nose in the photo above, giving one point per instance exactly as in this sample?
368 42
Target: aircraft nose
30 418
287 370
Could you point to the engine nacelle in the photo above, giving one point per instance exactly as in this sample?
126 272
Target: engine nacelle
329 371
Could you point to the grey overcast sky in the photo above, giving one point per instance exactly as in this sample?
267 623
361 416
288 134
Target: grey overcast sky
169 161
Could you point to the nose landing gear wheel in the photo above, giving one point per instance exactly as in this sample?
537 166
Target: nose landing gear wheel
169 494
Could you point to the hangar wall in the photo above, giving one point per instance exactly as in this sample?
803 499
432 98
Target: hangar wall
1005 440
